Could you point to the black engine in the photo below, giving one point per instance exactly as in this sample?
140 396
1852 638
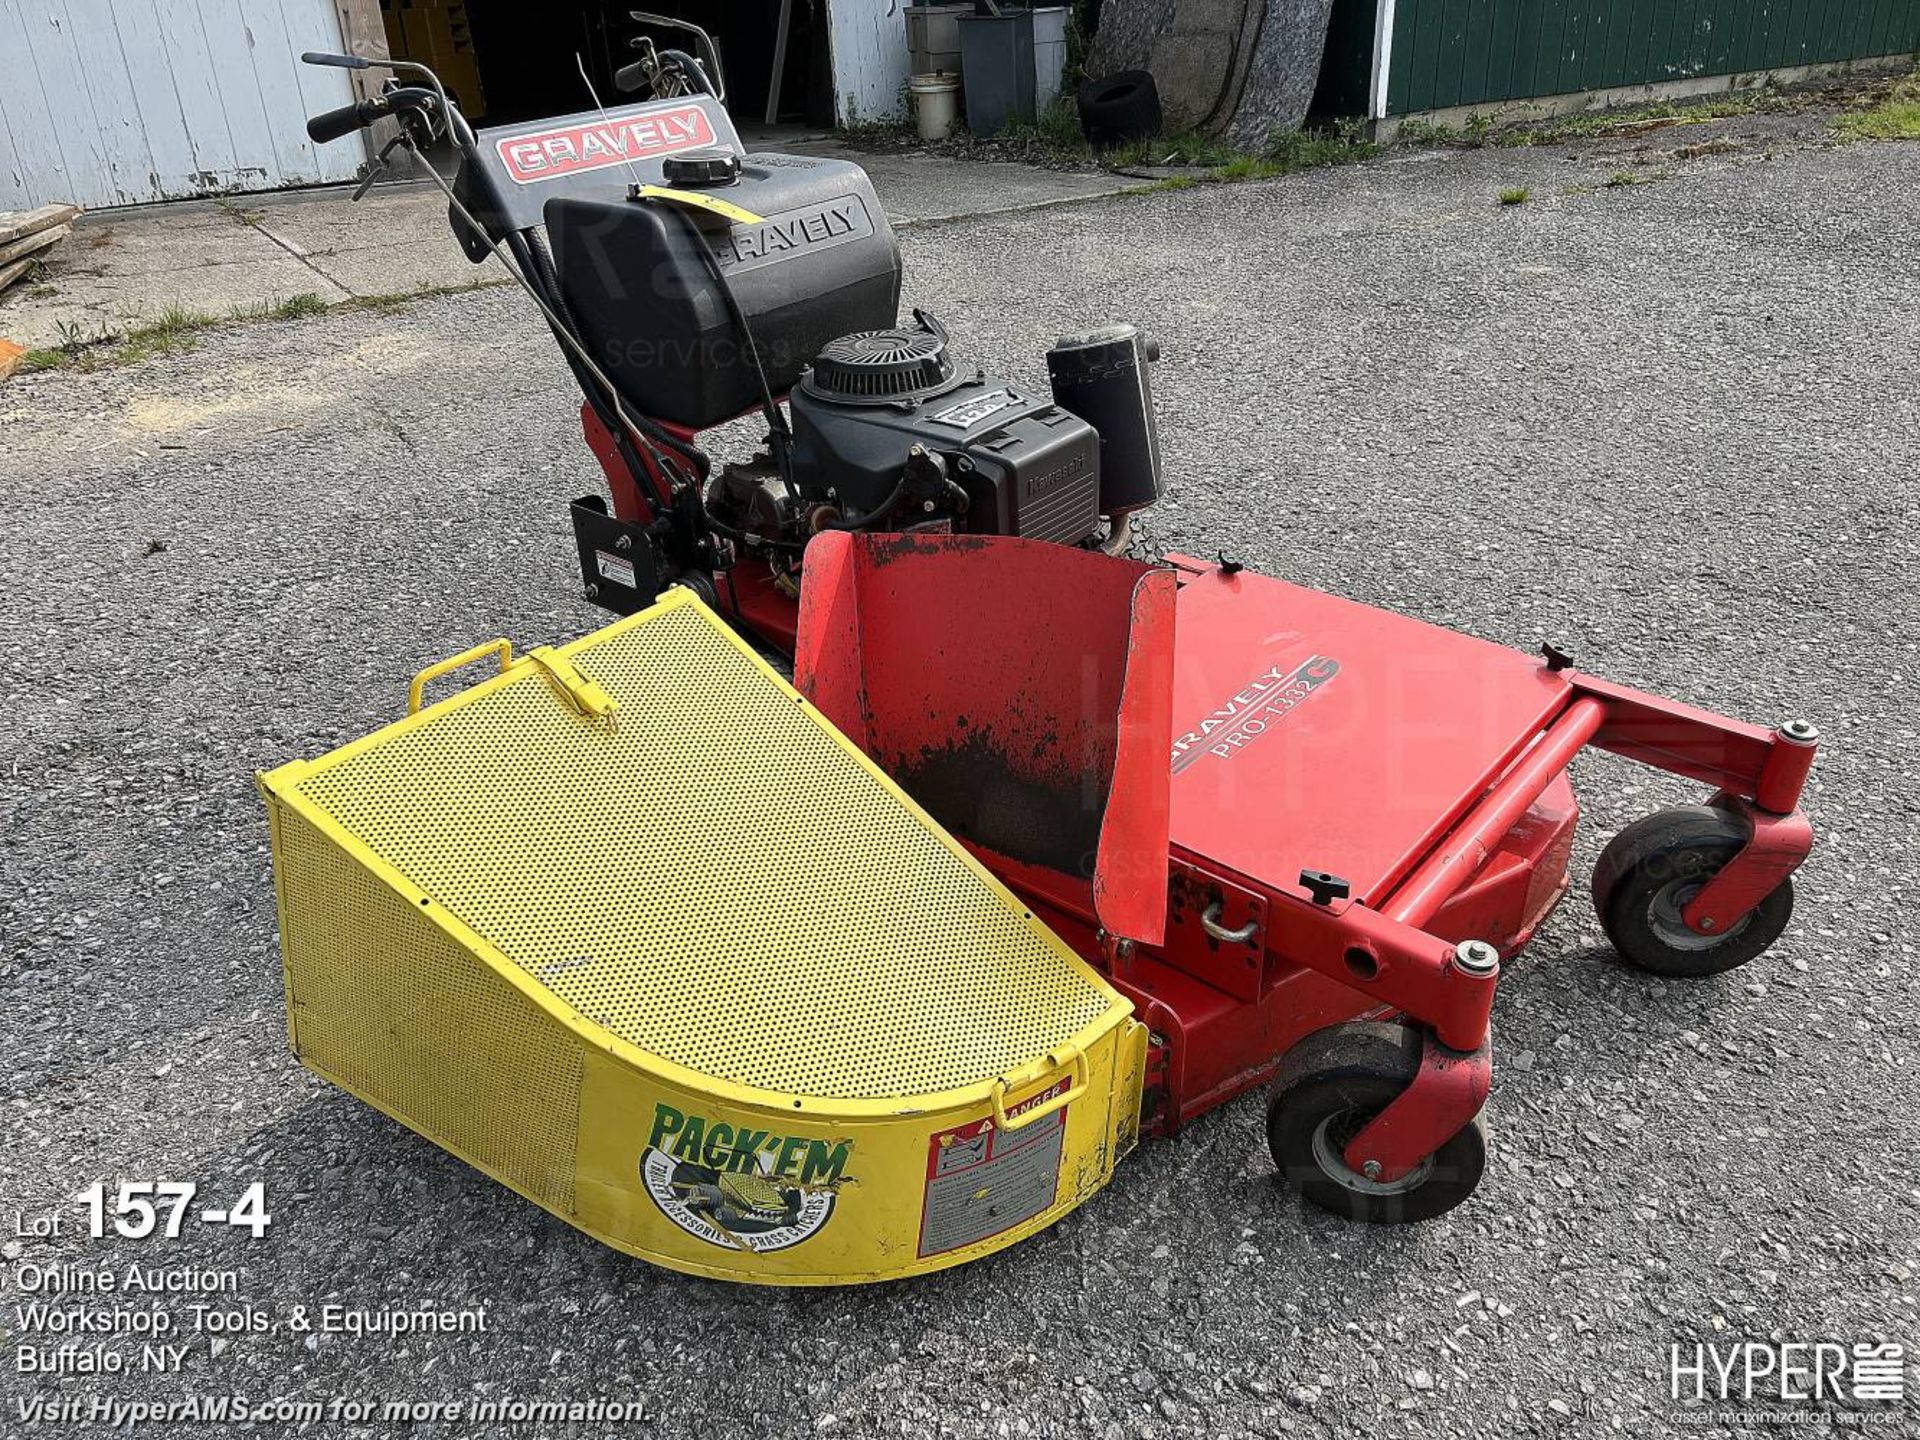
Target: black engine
686 314
887 435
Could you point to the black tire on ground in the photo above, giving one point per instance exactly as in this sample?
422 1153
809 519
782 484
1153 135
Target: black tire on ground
1654 867
1119 107
1327 1089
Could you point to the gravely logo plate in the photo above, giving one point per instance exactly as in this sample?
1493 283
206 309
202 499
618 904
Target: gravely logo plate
572 149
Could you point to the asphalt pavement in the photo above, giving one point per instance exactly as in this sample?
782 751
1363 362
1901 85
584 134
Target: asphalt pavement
1673 427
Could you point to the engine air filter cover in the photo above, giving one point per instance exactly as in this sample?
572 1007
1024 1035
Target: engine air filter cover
882 364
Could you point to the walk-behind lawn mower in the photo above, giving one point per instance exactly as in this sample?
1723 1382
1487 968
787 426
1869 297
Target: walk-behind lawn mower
849 908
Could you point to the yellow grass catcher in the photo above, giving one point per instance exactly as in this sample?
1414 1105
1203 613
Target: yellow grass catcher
631 928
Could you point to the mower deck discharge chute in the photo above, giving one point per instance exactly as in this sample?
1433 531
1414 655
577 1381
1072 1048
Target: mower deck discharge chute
632 929
1036 731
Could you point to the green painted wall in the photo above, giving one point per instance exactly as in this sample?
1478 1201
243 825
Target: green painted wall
1471 52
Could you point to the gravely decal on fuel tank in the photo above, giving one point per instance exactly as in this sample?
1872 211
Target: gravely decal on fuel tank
740 1188
812 227
1253 711
570 149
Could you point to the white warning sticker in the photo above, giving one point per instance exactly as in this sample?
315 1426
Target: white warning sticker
982 1179
614 568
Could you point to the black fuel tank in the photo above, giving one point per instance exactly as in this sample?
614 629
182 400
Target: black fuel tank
821 262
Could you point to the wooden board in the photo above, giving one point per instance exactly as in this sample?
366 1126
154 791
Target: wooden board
11 273
33 244
16 223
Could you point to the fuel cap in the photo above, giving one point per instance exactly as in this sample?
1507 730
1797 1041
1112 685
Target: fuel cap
701 169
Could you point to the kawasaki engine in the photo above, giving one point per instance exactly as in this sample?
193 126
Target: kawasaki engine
736 277
889 433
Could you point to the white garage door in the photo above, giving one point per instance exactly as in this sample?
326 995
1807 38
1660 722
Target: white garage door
117 102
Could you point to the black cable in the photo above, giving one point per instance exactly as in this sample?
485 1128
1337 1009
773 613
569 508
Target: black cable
746 539
539 263
872 517
780 437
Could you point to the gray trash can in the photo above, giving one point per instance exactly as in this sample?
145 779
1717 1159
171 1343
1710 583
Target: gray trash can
933 36
1010 65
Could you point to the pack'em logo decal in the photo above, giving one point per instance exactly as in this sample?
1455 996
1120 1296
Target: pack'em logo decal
738 1188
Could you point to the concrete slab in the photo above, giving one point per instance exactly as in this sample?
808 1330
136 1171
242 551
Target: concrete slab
125 266
94 299
916 187
403 267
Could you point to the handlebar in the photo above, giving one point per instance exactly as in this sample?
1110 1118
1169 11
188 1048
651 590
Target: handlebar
328 57
332 124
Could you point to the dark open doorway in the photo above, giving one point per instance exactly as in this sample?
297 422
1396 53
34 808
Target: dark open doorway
506 60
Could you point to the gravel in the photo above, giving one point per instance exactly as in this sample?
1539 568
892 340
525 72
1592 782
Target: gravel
1672 427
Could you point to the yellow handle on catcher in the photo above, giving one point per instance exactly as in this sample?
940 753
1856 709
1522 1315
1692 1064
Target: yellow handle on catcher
1075 1066
503 648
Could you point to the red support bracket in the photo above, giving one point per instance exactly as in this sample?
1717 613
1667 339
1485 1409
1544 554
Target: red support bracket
1388 961
1446 1093
1774 850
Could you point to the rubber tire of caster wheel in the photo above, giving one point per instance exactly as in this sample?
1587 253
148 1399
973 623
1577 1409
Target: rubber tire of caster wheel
1119 107
1653 867
1328 1088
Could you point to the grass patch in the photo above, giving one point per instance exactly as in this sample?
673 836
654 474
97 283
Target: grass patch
1485 130
1620 179
42 360
177 329
294 307
398 299
1893 115
1517 195
1719 145
1057 130
1286 152
240 214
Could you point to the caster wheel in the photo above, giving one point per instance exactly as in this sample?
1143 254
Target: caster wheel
1654 867
1329 1087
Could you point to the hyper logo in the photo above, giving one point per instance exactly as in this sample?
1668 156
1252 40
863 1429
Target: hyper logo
571 149
1248 715
737 1187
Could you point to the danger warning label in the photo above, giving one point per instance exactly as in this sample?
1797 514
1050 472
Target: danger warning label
982 1179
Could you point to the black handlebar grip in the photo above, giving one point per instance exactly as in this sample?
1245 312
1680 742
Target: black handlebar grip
332 124
327 57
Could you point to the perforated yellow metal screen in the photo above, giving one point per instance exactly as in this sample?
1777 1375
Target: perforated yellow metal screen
716 876
390 1005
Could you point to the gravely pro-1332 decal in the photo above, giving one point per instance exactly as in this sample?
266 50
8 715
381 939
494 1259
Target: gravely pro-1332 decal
1248 715
570 149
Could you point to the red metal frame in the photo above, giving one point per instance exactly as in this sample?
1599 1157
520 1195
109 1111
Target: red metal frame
1775 847
1222 1012
1446 1093
1223 1005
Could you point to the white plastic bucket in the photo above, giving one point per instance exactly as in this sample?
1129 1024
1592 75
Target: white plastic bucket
936 103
